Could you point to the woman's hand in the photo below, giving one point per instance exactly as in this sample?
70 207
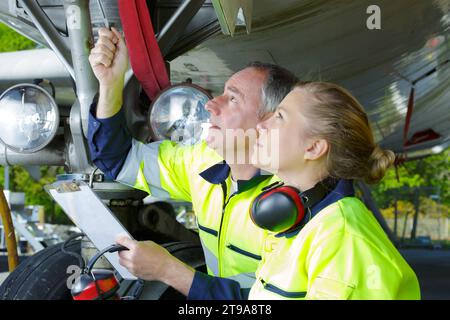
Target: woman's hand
149 261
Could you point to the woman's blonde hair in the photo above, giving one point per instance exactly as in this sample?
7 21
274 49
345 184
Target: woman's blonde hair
336 116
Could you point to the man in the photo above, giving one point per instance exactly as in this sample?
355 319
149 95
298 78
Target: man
206 174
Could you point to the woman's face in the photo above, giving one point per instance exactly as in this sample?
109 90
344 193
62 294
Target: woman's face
283 138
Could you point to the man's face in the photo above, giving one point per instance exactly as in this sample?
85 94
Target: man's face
235 112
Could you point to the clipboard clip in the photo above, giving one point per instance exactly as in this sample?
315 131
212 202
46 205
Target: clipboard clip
66 187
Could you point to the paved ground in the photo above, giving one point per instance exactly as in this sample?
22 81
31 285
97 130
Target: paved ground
432 267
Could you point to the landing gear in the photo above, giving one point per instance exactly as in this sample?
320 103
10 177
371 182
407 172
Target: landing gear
44 276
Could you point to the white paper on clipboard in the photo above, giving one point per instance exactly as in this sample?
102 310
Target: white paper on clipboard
93 217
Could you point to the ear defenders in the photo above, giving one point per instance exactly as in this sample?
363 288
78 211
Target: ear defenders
281 208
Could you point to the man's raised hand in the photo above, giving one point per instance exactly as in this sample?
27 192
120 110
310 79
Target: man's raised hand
109 58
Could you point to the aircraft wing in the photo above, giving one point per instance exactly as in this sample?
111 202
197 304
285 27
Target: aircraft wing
317 40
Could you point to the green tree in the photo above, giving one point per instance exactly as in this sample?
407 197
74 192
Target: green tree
423 185
34 190
12 41
431 175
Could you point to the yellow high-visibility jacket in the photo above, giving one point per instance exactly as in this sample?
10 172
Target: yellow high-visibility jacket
232 244
341 253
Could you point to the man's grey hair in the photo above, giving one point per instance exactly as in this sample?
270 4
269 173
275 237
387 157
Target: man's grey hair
278 84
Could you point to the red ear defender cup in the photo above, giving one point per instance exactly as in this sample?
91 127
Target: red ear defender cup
97 284
278 209
282 208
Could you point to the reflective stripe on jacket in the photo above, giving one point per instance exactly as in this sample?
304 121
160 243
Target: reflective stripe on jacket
232 243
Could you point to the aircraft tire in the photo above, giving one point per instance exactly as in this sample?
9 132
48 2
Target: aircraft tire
44 276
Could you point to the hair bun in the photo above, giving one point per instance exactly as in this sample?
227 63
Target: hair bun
380 160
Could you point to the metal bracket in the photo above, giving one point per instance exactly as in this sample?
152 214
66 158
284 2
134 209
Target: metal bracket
232 13
57 42
81 40
67 187
177 23
78 152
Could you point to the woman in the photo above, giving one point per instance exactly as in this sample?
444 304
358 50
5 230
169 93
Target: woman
333 248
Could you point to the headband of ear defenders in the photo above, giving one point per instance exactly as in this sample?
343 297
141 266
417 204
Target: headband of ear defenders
280 208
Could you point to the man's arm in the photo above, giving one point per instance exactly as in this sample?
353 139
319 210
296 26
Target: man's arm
109 62
109 142
110 100
109 139
149 261
157 168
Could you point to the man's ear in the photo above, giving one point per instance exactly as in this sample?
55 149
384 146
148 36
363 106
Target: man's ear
316 149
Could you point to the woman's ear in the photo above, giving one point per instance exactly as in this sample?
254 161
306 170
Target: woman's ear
316 149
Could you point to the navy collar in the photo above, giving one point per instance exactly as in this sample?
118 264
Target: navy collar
219 172
344 188
216 174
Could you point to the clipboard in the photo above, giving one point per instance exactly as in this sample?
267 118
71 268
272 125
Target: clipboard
92 216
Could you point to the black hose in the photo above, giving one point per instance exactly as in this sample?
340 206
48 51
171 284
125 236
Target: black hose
112 248
79 257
